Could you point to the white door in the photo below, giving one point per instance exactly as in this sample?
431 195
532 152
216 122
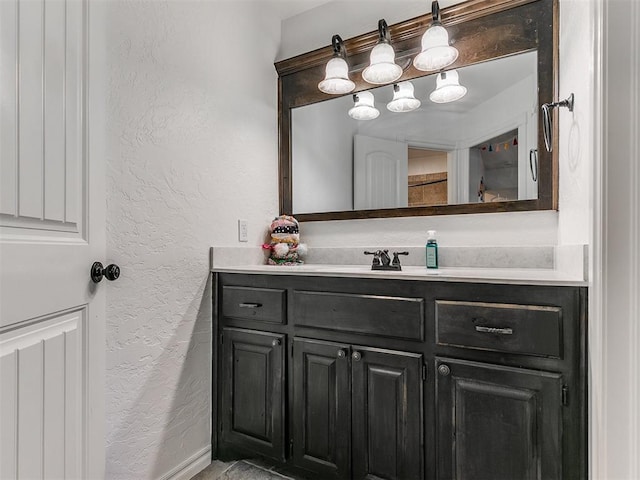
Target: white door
380 173
51 230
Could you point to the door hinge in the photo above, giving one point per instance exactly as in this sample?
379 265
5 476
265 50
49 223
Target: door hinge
291 448
291 349
565 395
221 339
424 371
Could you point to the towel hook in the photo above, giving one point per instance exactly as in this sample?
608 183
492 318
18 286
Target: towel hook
546 119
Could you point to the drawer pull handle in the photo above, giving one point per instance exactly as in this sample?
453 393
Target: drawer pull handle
499 331
250 305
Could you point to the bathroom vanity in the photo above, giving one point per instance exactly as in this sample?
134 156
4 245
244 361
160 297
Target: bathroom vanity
354 374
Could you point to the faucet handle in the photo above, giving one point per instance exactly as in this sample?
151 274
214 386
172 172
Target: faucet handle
396 260
376 257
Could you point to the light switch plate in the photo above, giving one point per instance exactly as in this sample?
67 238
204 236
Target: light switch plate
243 230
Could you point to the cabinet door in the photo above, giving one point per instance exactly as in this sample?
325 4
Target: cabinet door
386 414
252 391
497 422
321 407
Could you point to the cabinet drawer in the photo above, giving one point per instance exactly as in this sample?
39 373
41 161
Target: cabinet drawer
397 317
251 303
522 329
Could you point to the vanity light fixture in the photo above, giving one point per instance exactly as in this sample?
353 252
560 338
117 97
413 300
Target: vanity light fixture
382 62
363 108
448 88
336 80
403 98
436 52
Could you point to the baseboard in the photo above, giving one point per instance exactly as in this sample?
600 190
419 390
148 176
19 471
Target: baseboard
191 466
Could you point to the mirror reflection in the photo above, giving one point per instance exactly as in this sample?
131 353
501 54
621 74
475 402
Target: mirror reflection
478 148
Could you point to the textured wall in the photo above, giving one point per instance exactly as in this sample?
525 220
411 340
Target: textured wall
191 146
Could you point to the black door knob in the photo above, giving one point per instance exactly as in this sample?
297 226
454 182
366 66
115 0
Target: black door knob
111 272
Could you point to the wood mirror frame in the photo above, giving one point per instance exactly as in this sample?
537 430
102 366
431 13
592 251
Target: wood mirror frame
477 27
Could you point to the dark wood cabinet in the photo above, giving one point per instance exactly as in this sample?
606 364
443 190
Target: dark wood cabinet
321 419
354 378
387 414
356 411
496 422
253 391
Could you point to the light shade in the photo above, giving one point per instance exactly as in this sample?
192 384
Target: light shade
436 52
382 68
448 88
382 61
403 98
336 80
363 108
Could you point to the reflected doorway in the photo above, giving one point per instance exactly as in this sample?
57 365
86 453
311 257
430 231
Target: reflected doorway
493 168
427 177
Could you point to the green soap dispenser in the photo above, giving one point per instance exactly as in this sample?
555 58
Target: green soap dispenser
432 249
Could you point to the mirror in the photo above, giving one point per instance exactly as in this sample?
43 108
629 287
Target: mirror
479 154
475 149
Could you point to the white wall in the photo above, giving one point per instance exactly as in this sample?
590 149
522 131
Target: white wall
348 18
192 146
576 149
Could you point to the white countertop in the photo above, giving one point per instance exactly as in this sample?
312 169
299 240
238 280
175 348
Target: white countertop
526 276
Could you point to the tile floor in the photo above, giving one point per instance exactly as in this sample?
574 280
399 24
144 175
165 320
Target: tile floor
239 470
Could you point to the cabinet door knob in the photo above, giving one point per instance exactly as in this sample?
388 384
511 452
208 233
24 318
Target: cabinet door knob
342 353
356 356
444 370
276 342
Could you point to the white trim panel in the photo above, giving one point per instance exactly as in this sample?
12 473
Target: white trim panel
41 389
41 129
615 389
